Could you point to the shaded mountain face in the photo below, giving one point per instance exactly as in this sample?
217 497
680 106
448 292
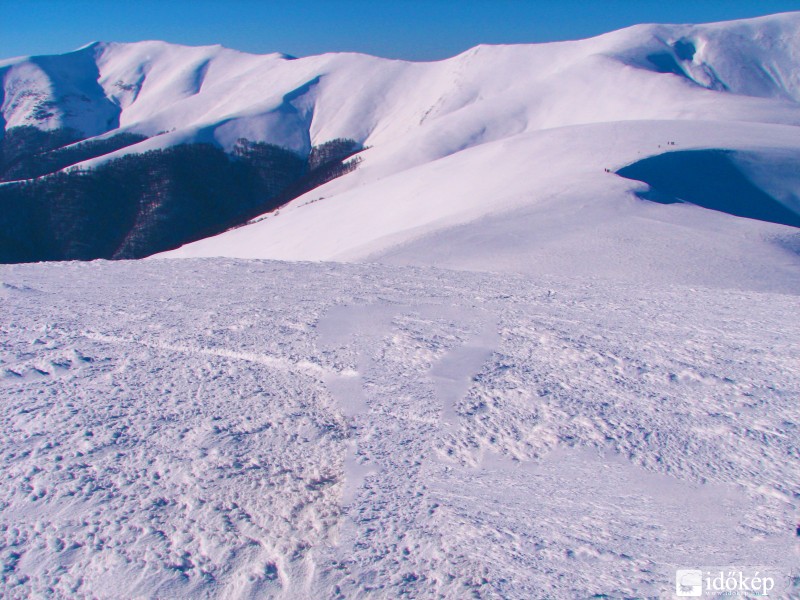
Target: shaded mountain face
125 150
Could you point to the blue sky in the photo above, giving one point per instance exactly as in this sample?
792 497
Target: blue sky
409 29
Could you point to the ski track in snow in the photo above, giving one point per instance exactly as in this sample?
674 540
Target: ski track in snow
270 361
248 429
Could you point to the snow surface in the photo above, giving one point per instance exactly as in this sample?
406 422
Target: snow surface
174 429
540 203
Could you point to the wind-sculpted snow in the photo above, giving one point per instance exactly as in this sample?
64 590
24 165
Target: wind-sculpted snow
214 428
712 179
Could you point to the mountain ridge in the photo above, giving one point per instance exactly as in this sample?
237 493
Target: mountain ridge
722 86
127 66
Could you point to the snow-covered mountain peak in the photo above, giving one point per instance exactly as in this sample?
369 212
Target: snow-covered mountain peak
155 86
492 129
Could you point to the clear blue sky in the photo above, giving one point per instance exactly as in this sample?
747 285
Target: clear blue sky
410 29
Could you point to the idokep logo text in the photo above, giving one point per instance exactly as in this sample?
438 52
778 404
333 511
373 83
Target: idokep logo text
725 581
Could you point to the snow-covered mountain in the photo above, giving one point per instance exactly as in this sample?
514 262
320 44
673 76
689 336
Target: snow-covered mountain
485 94
557 415
494 159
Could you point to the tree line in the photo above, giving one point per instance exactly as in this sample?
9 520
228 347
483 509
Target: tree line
141 204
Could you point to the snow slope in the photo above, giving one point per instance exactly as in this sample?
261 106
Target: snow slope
248 429
496 160
465 150
537 203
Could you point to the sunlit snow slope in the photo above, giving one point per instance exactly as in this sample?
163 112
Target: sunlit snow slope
494 159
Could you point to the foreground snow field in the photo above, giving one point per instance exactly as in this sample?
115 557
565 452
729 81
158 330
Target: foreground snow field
219 428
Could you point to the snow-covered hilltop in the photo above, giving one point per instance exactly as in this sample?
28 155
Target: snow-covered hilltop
485 94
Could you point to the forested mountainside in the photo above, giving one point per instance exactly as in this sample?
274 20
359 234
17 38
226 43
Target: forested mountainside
141 204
